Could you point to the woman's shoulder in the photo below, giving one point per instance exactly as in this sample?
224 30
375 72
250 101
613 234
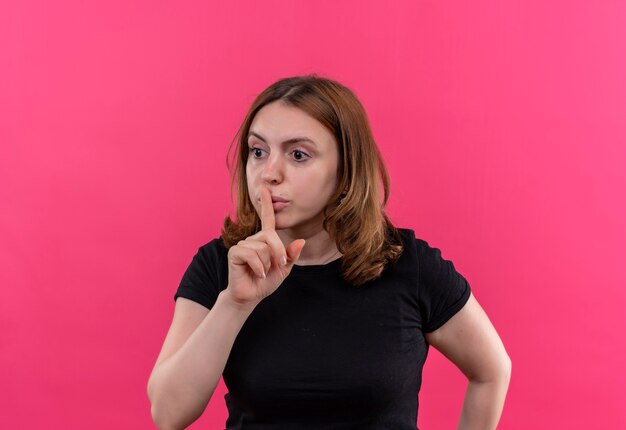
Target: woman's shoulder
409 237
216 243
417 247
214 250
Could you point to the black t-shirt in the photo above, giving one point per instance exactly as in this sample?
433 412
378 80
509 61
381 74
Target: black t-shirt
319 353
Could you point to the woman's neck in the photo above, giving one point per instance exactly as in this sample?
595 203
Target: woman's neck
319 247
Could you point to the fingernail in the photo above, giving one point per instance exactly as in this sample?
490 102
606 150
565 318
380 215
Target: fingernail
263 275
283 261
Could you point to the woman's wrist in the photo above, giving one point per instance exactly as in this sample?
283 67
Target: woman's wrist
226 299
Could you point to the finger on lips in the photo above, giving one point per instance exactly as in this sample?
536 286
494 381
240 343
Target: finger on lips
268 226
268 220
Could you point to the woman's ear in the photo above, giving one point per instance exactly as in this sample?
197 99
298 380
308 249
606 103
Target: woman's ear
343 196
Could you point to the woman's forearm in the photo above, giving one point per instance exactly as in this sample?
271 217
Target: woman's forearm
181 387
483 403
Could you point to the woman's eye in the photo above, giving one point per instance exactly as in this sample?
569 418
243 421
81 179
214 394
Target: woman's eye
256 152
299 155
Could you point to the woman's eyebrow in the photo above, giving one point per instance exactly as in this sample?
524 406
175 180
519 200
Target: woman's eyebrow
291 141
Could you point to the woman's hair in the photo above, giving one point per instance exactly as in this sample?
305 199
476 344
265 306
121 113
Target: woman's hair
354 216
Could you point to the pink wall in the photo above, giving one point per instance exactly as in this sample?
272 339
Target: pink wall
503 126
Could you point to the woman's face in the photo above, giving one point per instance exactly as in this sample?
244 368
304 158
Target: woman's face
296 158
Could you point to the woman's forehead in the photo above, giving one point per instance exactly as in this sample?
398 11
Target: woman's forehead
277 116
279 122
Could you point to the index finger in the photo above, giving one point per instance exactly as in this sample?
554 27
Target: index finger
268 221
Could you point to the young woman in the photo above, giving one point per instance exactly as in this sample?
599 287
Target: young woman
317 310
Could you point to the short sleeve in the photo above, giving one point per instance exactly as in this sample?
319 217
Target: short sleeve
442 290
204 278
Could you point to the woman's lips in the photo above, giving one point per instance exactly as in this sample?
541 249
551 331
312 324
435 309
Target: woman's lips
279 205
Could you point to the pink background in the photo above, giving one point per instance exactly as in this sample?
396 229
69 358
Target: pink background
503 125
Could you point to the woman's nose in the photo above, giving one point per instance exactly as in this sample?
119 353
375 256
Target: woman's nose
273 169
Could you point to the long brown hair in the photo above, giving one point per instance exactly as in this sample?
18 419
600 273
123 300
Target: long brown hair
355 218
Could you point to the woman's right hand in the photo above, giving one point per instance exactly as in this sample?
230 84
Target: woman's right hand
260 263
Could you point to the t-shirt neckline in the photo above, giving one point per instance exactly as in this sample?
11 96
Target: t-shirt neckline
331 266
